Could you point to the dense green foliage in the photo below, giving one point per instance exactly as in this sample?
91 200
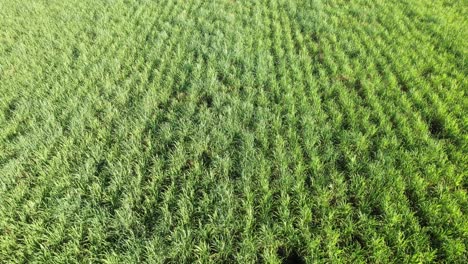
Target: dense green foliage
233 131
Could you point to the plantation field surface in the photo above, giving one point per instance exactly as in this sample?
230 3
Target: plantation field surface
229 131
